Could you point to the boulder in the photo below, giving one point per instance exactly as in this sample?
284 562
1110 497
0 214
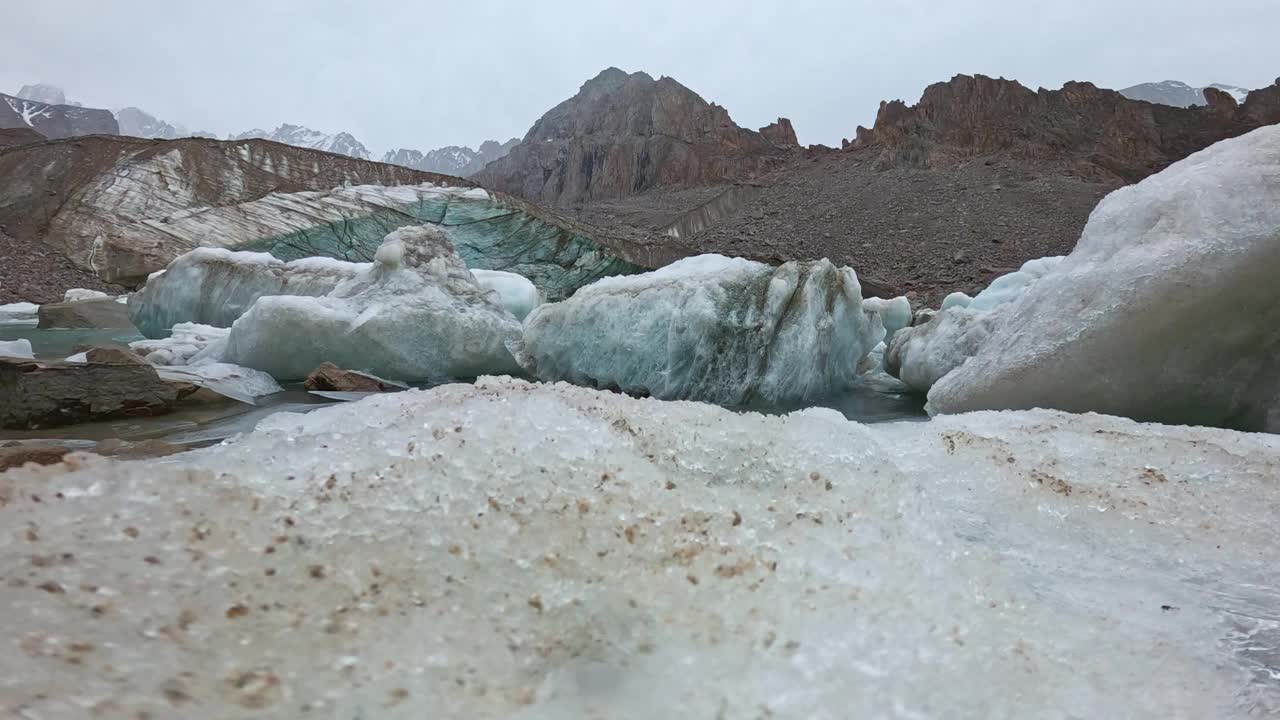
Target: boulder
37 395
19 454
330 377
84 314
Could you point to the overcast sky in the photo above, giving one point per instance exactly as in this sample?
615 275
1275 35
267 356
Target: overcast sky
426 73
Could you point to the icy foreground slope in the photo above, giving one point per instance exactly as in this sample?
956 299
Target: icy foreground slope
711 328
513 550
1167 310
416 313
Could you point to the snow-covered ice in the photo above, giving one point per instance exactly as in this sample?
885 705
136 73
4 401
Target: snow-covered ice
1167 310
19 313
515 550
415 314
80 294
16 349
711 328
183 346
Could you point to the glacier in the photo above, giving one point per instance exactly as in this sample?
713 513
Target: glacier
415 314
491 231
507 549
1167 310
712 328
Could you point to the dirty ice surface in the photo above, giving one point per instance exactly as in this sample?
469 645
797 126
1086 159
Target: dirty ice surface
546 551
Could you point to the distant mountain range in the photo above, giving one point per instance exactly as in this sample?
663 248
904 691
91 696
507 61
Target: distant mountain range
1179 94
36 106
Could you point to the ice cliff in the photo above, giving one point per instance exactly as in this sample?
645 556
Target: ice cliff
514 550
711 328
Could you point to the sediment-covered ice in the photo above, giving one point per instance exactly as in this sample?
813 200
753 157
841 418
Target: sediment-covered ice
514 550
1168 309
415 314
730 331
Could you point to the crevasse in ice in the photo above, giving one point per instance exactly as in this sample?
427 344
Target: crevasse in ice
514 550
415 314
1167 310
711 328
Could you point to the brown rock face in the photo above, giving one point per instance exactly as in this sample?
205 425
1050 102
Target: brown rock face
37 395
330 377
13 137
1094 133
624 134
780 133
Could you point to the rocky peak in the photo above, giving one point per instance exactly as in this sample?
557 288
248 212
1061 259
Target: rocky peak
623 134
780 133
1087 130
55 120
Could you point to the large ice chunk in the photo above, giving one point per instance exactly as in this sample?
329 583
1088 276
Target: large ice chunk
19 313
921 355
1168 309
517 294
415 314
513 550
711 328
20 348
213 286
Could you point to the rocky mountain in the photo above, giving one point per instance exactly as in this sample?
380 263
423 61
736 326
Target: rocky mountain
1179 94
54 120
45 93
298 136
978 177
460 161
135 122
623 134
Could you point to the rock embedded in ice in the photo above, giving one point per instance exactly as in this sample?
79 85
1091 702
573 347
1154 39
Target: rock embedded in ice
20 348
415 314
212 286
1167 310
730 331
514 550
517 294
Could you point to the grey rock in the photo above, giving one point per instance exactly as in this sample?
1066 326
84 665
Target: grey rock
36 395
84 314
